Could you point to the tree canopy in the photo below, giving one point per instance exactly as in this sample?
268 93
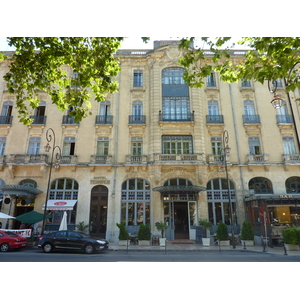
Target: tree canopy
67 68
71 69
266 58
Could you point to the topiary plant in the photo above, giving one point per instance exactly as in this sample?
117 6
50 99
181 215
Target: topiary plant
222 233
291 236
162 227
144 232
123 235
247 232
206 225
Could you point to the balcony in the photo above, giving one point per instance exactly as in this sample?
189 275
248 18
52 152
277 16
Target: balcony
251 119
27 159
38 120
104 120
179 158
258 160
69 120
136 159
101 159
188 117
291 159
214 119
135 119
5 120
68 160
285 119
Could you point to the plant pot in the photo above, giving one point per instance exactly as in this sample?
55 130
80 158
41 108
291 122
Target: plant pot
224 243
162 241
248 242
144 243
291 247
206 242
124 242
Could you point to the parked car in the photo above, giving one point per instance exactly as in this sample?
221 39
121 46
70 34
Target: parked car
71 240
10 240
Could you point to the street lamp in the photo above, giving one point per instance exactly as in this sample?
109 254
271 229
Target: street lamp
277 101
56 166
224 151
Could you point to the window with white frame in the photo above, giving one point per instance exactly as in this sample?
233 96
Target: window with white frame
7 108
34 145
137 78
211 80
216 145
69 146
2 145
289 145
136 146
177 144
249 109
102 146
254 145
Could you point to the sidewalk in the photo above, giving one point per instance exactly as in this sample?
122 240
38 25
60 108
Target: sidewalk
191 246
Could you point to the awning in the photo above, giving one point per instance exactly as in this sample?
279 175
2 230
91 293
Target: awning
60 204
19 190
179 189
32 217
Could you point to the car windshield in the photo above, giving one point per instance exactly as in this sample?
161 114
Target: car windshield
11 233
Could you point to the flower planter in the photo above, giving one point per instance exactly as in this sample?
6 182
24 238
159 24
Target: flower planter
144 243
206 242
248 242
124 242
224 243
291 247
162 242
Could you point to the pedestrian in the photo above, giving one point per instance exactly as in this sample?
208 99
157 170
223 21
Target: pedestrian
22 226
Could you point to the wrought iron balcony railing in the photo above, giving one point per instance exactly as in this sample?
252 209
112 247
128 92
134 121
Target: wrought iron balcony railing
104 119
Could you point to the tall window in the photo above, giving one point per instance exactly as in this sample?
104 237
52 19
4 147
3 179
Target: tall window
102 146
216 145
261 185
34 145
137 111
135 202
246 83
137 78
2 145
213 108
175 92
177 144
289 145
69 146
249 109
254 145
7 108
136 146
211 80
218 201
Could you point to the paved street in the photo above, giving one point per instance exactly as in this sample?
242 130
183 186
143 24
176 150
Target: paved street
37 255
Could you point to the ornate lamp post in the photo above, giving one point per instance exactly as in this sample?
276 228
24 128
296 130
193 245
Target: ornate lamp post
224 151
56 166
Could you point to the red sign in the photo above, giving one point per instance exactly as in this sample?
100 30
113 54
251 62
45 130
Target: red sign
60 203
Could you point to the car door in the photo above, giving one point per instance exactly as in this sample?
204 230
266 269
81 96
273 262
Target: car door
60 239
74 240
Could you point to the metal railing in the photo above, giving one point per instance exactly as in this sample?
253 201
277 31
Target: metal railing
104 119
214 119
188 117
38 120
251 119
135 119
284 119
6 120
69 120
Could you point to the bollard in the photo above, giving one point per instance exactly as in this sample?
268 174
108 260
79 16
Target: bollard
166 247
219 246
264 250
285 252
245 245
127 247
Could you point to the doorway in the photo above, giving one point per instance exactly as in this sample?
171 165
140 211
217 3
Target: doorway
98 211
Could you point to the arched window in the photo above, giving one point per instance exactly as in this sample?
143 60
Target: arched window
292 185
135 202
218 201
29 183
261 185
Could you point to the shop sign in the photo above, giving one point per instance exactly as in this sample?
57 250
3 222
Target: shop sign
285 196
100 180
26 233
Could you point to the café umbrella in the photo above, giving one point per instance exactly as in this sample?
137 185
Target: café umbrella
32 217
63 223
4 216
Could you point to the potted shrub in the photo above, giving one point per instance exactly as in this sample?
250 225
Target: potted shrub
222 235
144 235
291 238
206 226
123 235
82 227
247 234
162 227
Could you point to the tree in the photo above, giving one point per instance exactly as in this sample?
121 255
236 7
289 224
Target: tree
267 58
69 69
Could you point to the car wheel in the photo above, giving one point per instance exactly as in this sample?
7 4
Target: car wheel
47 248
88 249
4 247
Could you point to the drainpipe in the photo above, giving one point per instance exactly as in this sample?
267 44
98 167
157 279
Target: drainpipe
238 147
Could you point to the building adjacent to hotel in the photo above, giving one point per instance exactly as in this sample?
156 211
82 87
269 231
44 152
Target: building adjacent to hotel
152 152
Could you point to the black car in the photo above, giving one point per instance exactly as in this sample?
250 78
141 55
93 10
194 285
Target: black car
72 240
